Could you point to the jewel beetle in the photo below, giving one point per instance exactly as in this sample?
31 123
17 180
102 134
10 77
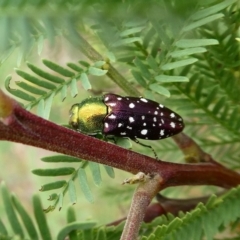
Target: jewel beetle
130 117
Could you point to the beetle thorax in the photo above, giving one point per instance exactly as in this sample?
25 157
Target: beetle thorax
90 117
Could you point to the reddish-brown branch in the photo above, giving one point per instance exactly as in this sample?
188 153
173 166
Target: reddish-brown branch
21 126
192 151
141 199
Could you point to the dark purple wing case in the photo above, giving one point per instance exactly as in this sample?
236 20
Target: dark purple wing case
139 118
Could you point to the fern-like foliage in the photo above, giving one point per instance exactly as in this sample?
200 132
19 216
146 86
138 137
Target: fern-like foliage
202 220
68 186
182 53
40 90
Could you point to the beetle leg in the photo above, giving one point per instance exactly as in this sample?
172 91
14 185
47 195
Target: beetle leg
144 145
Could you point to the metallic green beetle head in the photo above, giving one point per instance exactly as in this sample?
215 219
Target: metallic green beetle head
88 116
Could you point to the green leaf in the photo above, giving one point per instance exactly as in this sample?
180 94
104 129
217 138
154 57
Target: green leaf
188 43
137 75
85 81
219 105
95 172
64 92
211 96
169 79
72 192
142 67
57 68
126 41
45 75
109 171
54 171
159 89
198 91
18 93
3 230
213 9
99 64
202 22
40 217
11 214
40 108
53 185
96 71
85 64
40 42
53 196
75 67
74 226
111 56
73 88
6 54
152 63
27 221
101 234
30 88
187 51
61 158
131 31
177 64
60 201
71 217
34 80
82 179
174 224
48 104
20 57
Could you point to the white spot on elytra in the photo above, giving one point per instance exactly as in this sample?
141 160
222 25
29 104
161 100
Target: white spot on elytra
162 121
143 117
112 116
154 119
157 108
180 119
156 112
129 127
172 115
131 105
120 124
172 124
127 98
154 125
161 106
137 101
161 114
112 104
106 125
123 133
162 132
144 131
119 98
131 119
143 100
144 124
